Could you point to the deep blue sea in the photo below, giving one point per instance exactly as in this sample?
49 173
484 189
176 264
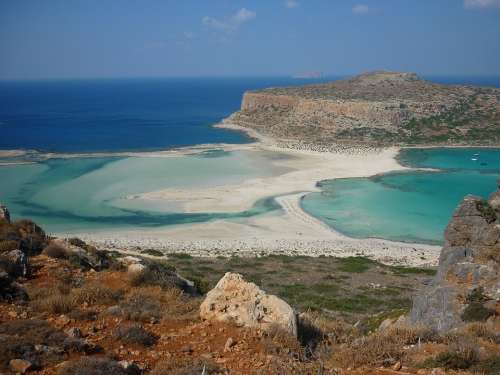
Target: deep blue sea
132 114
122 115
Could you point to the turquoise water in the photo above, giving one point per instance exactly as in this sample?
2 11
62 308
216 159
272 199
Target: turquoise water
407 206
83 194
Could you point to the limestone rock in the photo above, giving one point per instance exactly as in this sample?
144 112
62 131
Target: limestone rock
469 265
4 214
135 268
235 300
74 332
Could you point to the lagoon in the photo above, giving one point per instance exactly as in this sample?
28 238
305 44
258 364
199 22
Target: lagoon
411 206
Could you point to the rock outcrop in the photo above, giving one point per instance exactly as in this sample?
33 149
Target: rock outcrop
467 285
379 107
4 214
235 300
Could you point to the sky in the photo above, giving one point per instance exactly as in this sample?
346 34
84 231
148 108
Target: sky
177 38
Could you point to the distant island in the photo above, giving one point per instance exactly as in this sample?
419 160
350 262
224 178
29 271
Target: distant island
377 108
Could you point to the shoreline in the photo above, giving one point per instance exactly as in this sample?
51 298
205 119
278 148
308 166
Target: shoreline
291 231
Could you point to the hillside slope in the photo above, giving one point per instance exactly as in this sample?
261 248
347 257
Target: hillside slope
375 108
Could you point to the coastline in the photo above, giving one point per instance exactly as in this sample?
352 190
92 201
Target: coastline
291 231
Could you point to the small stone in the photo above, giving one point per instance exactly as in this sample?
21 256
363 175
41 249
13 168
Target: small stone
397 366
229 344
74 332
63 320
437 371
20 365
187 349
130 368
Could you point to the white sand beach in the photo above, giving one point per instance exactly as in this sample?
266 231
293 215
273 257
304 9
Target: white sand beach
289 231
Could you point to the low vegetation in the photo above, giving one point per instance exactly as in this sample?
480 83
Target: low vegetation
106 320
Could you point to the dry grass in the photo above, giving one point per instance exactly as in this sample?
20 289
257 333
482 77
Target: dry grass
172 302
279 342
96 293
334 330
8 245
380 348
483 331
460 356
187 367
56 299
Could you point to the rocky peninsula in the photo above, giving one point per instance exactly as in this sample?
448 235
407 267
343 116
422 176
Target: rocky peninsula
378 108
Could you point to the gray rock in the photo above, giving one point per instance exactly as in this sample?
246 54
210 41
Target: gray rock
469 264
114 311
17 263
4 214
74 332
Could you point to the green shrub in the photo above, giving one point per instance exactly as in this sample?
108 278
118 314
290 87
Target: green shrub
490 366
487 212
135 334
92 366
452 360
153 252
476 311
355 264
180 255
55 250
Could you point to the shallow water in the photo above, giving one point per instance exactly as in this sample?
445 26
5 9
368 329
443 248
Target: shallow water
407 206
81 194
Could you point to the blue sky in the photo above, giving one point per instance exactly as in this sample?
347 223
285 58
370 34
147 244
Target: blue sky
151 38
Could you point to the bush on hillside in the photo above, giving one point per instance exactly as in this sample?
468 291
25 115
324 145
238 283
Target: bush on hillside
135 334
92 366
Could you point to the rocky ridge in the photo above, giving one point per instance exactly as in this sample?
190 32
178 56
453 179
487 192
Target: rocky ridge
375 108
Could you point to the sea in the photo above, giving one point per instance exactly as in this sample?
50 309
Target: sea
117 115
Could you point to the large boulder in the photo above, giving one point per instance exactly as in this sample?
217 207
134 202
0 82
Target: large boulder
467 284
235 300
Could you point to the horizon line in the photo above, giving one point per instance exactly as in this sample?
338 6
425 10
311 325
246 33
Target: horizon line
289 76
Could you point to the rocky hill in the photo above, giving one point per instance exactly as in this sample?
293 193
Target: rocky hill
375 108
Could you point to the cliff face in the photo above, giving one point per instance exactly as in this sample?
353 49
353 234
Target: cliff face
381 107
467 285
